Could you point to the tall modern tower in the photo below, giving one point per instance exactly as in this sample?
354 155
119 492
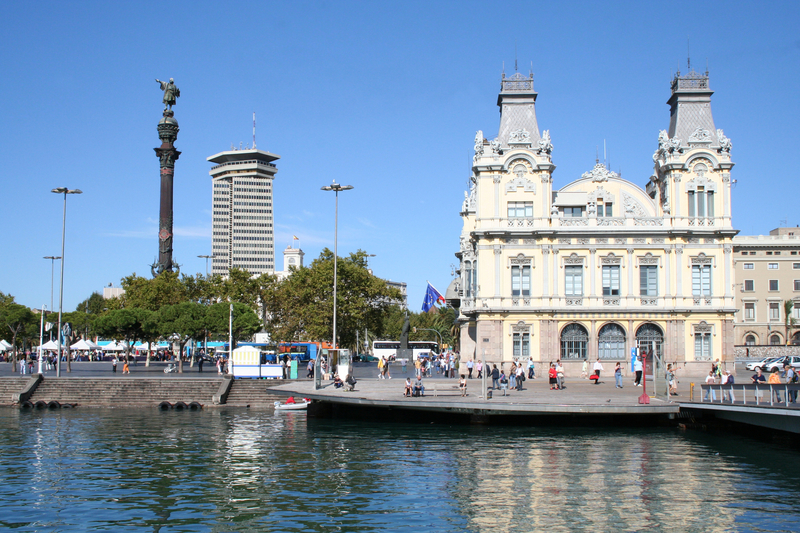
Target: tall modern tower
242 235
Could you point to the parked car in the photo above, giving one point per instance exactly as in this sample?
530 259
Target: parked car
761 364
778 363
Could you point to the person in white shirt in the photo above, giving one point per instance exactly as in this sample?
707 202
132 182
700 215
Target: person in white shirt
597 368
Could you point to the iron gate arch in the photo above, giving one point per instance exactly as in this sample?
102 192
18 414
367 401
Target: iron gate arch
574 338
611 342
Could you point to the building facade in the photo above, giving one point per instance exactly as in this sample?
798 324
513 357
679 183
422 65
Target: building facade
242 217
767 271
602 265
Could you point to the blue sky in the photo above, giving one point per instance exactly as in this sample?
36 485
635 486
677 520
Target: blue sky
384 96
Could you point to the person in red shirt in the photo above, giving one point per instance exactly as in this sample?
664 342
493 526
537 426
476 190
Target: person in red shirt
553 377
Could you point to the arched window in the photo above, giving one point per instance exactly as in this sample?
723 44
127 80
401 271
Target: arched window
775 340
611 342
574 338
649 337
750 340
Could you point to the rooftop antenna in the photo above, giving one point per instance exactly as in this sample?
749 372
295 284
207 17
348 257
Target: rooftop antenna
515 55
688 56
784 222
504 69
605 154
596 154
254 130
706 66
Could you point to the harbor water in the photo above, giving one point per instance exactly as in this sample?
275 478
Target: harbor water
243 470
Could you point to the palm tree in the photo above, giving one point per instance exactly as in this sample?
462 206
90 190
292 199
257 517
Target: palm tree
788 305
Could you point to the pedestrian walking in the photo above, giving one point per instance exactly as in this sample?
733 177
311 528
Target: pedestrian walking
729 382
711 379
512 376
126 369
775 379
470 366
553 376
618 375
560 374
585 369
495 377
673 383
637 368
479 366
531 370
597 369
114 365
790 378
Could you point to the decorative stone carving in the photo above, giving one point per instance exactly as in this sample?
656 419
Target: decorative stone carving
639 240
702 327
520 327
573 259
571 302
583 241
601 240
611 259
601 192
520 168
648 259
521 259
520 136
666 145
648 301
478 145
657 240
620 240
592 250
564 240
528 241
648 221
726 178
554 210
498 249
495 144
591 209
611 300
700 136
632 206
727 248
568 221
599 173
630 251
724 143
496 178
606 221
545 146
702 259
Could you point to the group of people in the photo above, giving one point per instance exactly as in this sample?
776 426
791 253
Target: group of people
776 377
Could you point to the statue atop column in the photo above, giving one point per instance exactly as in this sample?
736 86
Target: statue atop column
171 93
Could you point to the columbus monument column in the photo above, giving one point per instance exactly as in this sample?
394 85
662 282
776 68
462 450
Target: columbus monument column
167 155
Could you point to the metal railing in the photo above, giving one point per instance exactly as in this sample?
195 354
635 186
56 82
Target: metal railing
754 394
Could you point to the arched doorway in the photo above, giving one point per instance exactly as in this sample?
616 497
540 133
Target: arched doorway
650 337
574 339
796 338
750 340
775 340
611 342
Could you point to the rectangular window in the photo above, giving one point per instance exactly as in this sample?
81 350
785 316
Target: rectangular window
573 212
648 280
749 285
710 203
521 280
773 284
769 253
749 266
520 209
610 280
749 311
701 204
774 311
604 209
702 347
573 281
797 284
701 280
772 266
522 344
796 266
692 209
467 279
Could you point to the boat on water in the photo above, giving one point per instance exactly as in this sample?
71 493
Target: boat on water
292 405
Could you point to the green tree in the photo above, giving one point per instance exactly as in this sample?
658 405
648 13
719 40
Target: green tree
302 304
788 305
17 318
183 321
128 324
245 321
153 294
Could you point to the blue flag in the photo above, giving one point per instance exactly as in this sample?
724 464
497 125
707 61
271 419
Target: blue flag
431 297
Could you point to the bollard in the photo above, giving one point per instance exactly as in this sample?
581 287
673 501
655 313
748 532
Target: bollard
691 392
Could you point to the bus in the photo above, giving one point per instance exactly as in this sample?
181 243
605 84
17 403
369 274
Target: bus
389 349
301 351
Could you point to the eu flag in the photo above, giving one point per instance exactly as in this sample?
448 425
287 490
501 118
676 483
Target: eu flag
431 297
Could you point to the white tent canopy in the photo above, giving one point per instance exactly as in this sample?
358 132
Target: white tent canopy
115 347
4 345
84 345
50 345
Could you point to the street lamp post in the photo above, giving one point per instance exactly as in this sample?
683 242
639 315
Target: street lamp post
65 191
206 257
335 187
52 259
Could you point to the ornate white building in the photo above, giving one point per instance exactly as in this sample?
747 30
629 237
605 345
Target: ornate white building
602 265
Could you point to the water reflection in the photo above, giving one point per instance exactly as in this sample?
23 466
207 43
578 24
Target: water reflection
239 470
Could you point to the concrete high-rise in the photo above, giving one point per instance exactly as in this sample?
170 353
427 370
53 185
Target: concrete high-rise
242 225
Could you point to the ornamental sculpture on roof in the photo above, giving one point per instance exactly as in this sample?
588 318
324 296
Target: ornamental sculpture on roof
724 143
545 146
666 145
521 136
599 173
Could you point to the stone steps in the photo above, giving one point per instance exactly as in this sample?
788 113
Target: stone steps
123 392
9 386
254 393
